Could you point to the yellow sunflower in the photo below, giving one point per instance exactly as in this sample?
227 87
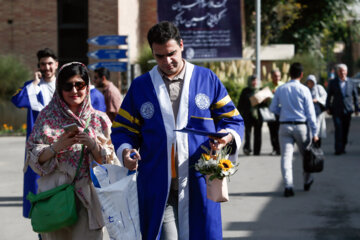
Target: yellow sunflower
225 164
206 156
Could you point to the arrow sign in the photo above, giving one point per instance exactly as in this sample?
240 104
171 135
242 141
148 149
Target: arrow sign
112 66
108 54
108 40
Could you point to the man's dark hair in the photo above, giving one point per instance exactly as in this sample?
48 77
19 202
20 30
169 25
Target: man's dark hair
295 70
163 32
46 52
250 79
103 72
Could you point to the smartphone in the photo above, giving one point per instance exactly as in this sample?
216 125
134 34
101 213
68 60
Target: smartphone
42 73
71 128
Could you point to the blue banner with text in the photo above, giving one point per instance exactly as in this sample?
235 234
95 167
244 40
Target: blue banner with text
209 28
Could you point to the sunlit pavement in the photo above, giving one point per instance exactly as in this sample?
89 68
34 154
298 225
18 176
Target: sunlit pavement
330 210
257 208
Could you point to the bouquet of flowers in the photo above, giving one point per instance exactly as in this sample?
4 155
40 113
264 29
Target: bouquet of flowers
216 167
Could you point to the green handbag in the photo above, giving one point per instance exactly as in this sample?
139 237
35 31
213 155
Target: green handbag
56 208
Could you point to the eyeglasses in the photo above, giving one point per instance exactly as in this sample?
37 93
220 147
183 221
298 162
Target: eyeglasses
67 87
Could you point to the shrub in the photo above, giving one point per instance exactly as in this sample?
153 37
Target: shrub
312 65
233 74
13 73
144 58
234 89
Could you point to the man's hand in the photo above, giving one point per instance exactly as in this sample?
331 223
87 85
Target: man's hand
315 139
356 113
219 143
37 77
130 163
328 111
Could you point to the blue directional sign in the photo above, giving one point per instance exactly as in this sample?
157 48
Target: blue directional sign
108 54
108 40
112 66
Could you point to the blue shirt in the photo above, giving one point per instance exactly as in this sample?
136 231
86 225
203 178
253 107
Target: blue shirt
343 86
293 102
97 99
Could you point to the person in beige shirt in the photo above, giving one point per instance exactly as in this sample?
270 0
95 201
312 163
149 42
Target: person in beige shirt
111 93
274 125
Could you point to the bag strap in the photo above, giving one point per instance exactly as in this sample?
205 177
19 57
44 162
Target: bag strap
82 152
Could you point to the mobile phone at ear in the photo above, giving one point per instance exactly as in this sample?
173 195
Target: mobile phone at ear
42 73
71 128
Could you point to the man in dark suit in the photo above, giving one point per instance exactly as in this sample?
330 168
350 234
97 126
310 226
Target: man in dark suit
342 96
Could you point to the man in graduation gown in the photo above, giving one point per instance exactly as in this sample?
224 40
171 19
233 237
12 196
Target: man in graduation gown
171 193
97 99
35 95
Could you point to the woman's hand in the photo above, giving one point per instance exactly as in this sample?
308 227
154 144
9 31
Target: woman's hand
84 138
65 140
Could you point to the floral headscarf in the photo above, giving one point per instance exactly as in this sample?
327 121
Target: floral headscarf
61 168
60 106
50 122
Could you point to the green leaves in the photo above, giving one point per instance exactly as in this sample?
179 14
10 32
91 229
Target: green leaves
298 21
12 75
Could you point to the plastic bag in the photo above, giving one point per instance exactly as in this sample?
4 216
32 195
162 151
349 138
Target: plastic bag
117 192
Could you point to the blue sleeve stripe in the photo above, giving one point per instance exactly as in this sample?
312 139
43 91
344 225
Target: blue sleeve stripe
117 125
230 114
17 91
204 118
127 116
222 102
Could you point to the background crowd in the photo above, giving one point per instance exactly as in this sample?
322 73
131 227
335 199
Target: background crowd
299 115
294 112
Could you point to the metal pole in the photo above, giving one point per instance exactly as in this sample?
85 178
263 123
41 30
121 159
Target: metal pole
258 40
128 69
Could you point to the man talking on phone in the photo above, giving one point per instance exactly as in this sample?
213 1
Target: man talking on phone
35 95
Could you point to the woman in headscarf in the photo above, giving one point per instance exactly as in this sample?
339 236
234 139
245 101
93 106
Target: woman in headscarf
54 154
251 116
319 96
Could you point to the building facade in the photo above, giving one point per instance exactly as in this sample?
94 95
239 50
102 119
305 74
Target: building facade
65 26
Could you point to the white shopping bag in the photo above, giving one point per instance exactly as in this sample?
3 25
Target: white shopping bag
117 192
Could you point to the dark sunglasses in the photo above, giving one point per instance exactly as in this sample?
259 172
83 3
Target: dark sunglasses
67 87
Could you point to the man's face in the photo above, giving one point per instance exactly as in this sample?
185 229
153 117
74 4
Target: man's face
342 73
276 76
48 67
310 84
98 81
168 57
254 83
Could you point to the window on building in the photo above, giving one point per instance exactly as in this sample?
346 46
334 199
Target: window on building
72 31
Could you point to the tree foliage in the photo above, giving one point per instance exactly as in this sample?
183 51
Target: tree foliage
300 22
13 74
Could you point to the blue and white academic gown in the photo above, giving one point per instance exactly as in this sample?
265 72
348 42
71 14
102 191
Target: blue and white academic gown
34 98
146 122
97 99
